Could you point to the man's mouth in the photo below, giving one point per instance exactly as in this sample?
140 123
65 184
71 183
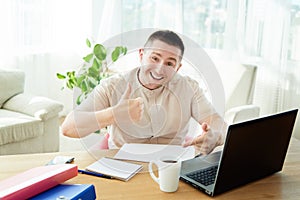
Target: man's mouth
155 77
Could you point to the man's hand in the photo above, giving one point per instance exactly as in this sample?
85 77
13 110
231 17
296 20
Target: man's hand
205 142
128 109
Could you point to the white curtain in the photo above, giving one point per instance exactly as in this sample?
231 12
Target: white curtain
267 39
43 37
253 35
107 16
264 42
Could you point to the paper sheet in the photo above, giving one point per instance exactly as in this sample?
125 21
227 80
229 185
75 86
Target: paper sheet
148 152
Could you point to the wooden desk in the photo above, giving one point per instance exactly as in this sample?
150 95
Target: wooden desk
284 185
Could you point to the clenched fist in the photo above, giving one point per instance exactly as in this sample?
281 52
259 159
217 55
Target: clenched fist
128 110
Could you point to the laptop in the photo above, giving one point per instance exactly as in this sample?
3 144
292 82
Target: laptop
253 150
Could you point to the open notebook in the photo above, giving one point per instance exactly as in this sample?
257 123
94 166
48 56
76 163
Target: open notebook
115 168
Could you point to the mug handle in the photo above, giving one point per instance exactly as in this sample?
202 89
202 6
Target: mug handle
155 178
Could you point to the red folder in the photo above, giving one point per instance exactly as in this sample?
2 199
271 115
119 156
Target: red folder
36 180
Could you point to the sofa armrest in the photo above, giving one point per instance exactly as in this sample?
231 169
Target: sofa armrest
36 106
241 113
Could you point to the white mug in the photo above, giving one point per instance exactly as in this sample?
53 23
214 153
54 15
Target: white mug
168 173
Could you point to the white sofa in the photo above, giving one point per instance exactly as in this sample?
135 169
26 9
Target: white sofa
28 124
239 85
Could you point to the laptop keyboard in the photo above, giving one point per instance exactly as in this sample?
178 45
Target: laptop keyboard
204 176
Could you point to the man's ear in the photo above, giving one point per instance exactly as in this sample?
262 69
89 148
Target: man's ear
179 67
141 53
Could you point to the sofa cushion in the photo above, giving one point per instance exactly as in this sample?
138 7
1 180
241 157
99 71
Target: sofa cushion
36 106
15 127
238 82
11 83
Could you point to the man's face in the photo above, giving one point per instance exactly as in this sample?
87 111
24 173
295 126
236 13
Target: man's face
159 62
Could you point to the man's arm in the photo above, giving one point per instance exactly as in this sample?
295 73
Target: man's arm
80 123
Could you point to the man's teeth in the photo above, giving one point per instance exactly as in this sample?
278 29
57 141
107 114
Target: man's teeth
156 77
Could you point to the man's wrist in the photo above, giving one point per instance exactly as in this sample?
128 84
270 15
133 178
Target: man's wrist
105 117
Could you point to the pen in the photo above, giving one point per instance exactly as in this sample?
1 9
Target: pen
199 155
94 174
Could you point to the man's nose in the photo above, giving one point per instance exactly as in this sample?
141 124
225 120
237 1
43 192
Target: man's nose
160 67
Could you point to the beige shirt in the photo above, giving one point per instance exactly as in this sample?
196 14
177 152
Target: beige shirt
167 109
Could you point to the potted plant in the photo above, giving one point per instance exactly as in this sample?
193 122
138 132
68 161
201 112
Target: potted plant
92 71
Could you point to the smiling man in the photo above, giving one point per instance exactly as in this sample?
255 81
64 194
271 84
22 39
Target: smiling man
151 103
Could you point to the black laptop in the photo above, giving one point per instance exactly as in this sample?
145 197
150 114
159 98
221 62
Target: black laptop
253 150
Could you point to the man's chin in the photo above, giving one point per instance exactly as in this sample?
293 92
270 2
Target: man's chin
153 86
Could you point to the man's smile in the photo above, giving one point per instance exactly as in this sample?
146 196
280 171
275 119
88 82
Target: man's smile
156 77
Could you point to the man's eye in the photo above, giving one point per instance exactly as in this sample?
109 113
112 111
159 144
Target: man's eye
154 58
170 64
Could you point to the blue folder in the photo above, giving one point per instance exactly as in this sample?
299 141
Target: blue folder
68 192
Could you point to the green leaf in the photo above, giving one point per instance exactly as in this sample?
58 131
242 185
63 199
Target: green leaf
78 100
124 50
100 51
80 79
115 54
83 86
88 57
96 64
71 74
92 82
73 81
92 72
88 43
69 85
60 76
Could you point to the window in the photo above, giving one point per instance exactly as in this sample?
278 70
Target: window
203 21
294 34
39 26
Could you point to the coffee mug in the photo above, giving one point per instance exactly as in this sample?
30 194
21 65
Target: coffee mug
168 173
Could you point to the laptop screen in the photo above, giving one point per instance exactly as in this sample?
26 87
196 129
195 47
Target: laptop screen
254 149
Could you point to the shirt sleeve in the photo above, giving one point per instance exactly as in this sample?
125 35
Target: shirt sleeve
103 95
201 107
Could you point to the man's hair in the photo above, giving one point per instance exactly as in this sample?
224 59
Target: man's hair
168 37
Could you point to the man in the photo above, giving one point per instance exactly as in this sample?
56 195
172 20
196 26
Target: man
151 103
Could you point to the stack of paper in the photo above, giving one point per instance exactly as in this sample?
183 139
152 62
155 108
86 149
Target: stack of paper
115 168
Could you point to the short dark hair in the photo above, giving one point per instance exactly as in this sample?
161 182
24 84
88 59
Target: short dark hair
168 37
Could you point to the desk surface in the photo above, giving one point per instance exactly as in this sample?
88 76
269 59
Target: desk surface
283 185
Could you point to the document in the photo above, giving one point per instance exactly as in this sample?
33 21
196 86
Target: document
148 152
115 168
